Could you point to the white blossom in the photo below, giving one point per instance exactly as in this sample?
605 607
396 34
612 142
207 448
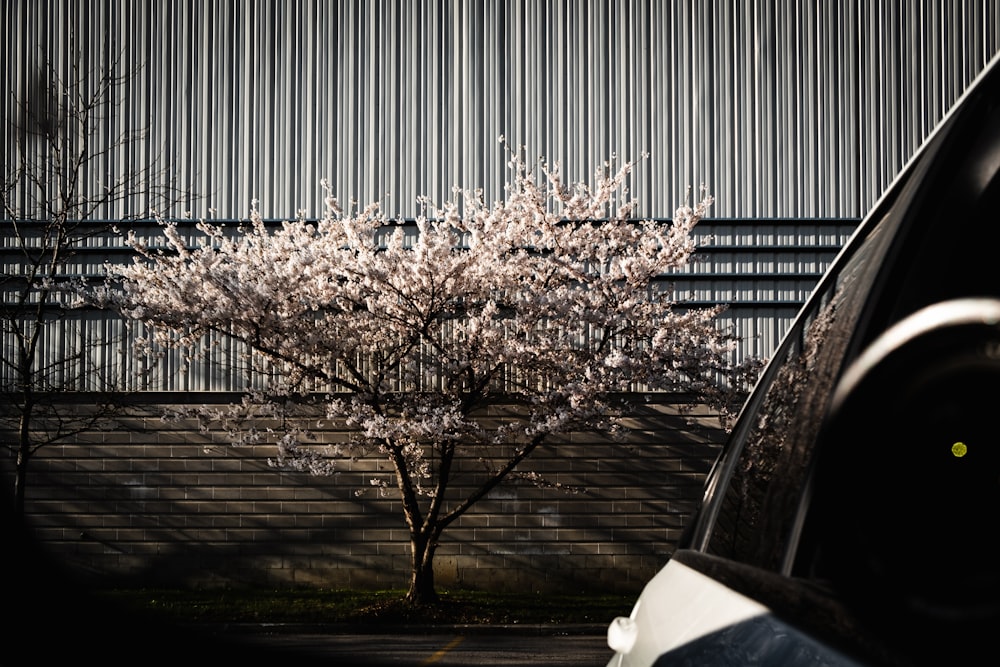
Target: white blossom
552 298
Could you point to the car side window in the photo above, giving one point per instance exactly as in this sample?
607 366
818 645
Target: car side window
758 504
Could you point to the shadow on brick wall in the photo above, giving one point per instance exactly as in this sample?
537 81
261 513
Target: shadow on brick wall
167 505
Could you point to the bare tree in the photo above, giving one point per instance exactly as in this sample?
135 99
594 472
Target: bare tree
73 170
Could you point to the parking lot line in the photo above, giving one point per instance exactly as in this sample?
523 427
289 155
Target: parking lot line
440 654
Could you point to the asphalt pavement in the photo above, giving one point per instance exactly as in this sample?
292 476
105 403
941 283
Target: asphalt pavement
420 646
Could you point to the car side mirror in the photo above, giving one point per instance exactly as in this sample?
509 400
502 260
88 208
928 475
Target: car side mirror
905 496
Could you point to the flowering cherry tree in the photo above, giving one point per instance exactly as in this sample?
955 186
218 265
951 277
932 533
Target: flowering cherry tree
551 300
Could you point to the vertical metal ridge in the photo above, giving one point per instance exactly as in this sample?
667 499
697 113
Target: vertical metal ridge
783 109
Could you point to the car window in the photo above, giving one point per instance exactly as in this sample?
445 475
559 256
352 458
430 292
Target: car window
766 482
932 237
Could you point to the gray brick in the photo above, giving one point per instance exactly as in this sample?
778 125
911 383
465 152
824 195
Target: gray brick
162 492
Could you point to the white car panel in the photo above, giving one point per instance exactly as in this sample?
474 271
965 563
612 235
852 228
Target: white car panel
683 617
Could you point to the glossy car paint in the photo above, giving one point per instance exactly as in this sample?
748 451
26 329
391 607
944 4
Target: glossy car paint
686 618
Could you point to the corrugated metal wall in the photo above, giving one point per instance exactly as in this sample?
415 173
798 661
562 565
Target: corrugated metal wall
763 270
783 108
796 115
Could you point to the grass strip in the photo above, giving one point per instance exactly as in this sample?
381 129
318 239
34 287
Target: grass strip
351 606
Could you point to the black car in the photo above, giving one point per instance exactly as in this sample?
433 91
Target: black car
851 518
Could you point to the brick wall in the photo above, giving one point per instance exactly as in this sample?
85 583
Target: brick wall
162 503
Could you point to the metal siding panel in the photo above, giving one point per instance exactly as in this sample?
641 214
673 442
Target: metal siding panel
771 104
784 110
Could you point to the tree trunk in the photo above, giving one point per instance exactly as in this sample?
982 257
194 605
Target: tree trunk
23 455
20 480
422 590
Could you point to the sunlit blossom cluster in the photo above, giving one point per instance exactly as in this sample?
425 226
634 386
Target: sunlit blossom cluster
553 298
